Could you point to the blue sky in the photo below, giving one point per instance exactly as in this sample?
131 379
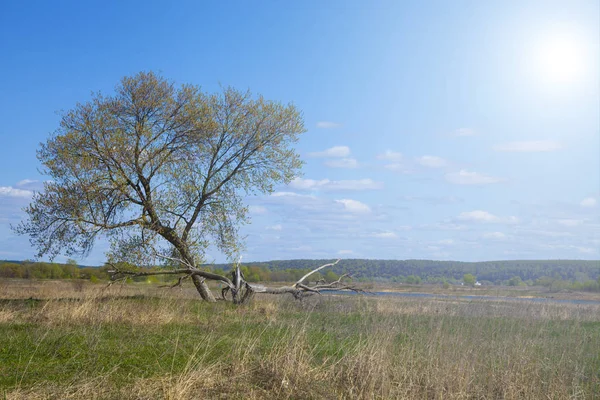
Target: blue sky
464 130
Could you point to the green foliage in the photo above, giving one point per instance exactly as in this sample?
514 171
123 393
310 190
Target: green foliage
431 271
331 276
156 166
469 279
413 280
561 278
516 281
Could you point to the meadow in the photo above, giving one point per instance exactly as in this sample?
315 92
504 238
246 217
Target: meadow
76 340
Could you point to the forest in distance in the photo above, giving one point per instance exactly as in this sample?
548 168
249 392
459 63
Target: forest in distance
559 274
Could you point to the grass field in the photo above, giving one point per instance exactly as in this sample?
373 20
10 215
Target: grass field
66 340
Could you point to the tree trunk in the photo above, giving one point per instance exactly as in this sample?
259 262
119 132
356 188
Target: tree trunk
203 289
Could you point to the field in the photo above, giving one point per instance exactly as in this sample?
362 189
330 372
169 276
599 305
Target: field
69 340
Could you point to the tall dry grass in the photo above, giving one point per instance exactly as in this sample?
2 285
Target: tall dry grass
322 348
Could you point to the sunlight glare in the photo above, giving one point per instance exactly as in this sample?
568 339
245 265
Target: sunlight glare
560 60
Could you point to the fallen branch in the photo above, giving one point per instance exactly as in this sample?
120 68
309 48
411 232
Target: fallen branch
241 290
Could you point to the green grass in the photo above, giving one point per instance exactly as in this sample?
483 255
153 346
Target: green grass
173 346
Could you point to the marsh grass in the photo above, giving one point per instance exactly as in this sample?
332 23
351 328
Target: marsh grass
141 342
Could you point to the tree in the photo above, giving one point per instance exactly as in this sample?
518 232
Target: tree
160 171
515 281
469 279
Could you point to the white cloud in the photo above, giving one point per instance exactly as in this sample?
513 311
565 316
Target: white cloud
443 226
385 235
552 234
570 222
485 217
433 199
581 249
586 250
26 182
464 132
8 191
328 125
395 159
307 184
291 194
342 163
464 177
345 252
530 146
354 206
277 227
432 161
398 167
257 209
390 155
588 202
494 235
326 184
335 151
446 242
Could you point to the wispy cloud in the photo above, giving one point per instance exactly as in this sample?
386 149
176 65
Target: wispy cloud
276 227
328 125
432 161
345 252
442 226
349 163
494 236
485 217
396 162
464 132
354 206
332 152
588 202
291 194
326 184
9 191
257 210
570 222
26 182
385 235
399 167
531 146
390 155
432 199
464 177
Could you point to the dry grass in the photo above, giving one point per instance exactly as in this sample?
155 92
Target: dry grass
168 345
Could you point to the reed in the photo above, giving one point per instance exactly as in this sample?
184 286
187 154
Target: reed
141 342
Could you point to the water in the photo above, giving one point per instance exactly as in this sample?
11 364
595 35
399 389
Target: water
476 297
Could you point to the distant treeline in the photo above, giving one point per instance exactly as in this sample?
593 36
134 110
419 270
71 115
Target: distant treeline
47 270
574 274
559 274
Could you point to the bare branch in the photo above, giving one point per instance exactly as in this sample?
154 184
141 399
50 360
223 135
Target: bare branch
316 270
300 290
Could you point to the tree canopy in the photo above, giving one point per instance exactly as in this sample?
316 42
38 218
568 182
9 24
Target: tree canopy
161 171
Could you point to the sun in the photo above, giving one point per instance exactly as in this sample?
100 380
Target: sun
560 60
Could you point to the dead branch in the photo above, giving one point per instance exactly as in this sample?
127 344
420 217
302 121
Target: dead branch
316 270
241 290
300 289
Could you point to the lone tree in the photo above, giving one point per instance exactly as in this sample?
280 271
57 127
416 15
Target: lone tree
161 172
